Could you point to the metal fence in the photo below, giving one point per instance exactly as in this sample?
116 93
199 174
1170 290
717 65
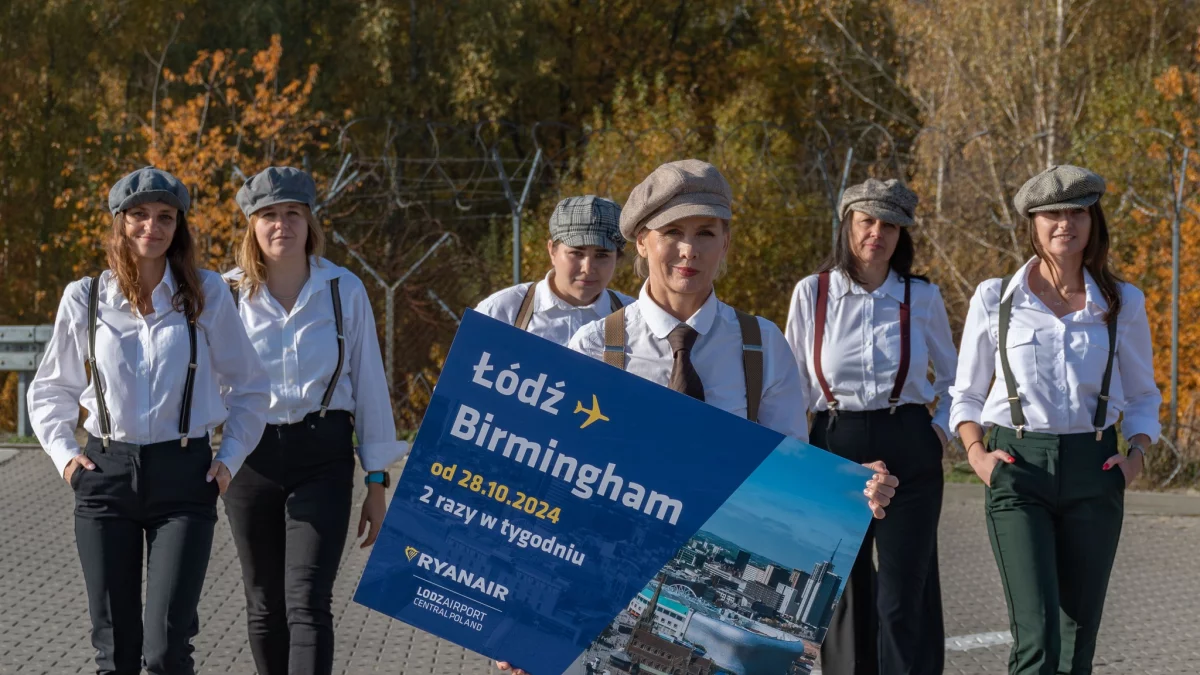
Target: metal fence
434 217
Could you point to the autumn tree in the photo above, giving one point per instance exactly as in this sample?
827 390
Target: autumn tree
234 118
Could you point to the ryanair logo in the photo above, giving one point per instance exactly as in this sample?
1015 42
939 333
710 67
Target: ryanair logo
593 415
410 553
461 576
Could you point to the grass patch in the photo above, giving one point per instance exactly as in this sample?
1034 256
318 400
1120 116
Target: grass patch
17 440
960 472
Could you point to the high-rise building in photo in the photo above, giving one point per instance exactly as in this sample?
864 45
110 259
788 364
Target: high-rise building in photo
816 604
743 559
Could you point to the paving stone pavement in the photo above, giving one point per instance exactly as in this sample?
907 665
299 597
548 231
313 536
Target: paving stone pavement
1152 621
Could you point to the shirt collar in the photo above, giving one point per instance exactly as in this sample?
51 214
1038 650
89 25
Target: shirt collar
1020 280
840 284
545 298
1095 298
161 298
661 323
320 271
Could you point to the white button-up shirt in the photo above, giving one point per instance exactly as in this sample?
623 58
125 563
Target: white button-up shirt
717 357
861 352
299 350
553 318
1058 363
143 362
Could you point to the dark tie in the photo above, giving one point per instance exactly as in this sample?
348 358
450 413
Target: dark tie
684 377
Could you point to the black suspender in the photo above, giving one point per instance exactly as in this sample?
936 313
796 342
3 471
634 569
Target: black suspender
341 344
189 384
1014 400
97 382
185 411
336 294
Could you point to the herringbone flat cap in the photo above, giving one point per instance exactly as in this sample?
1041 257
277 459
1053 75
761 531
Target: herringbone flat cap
587 221
889 201
1059 188
674 191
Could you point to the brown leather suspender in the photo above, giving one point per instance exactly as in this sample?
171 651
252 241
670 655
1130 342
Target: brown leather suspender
525 313
752 353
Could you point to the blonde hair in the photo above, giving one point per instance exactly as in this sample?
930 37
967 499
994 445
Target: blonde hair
250 255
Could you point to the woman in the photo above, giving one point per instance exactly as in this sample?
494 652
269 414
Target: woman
864 330
584 246
162 338
289 509
678 334
1069 345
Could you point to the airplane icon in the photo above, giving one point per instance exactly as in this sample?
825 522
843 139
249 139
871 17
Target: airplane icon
593 414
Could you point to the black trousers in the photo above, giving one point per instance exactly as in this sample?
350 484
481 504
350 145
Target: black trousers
889 620
289 509
150 500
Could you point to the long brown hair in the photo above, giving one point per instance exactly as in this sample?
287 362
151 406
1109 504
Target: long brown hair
1095 259
181 256
842 258
250 255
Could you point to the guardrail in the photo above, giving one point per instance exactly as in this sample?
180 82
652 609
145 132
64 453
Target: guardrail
21 349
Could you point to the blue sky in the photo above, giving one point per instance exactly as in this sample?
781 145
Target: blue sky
795 507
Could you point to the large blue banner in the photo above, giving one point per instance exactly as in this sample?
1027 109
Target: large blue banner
548 492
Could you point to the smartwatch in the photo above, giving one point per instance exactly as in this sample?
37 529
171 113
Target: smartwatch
381 477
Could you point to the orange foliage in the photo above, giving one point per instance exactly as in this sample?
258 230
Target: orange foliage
233 118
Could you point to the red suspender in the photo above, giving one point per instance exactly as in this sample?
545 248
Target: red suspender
819 340
902 371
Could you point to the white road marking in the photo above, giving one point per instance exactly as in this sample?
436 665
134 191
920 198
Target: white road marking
964 643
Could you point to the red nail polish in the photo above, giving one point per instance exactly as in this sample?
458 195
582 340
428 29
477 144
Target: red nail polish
1106 467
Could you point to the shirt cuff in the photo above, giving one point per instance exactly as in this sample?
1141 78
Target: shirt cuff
964 411
1131 428
231 454
62 452
379 456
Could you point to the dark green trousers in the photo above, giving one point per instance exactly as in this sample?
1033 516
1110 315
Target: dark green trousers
1054 519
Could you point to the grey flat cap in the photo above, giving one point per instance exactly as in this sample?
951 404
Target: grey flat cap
889 201
277 185
587 221
147 185
673 191
1059 188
